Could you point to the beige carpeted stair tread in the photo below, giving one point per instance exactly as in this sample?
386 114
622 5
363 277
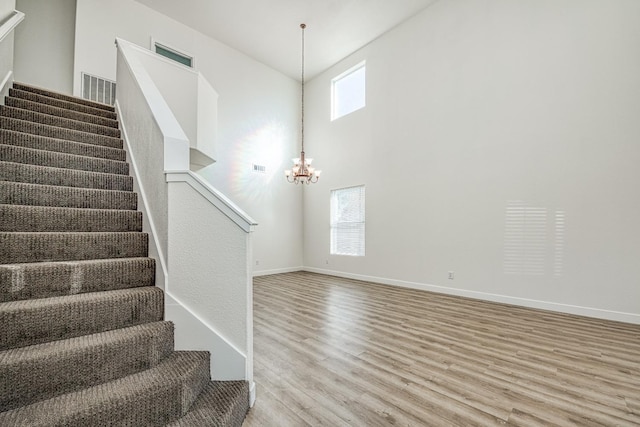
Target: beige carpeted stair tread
53 279
62 96
32 156
221 404
48 219
36 321
51 110
61 122
43 371
54 102
18 247
23 193
41 129
46 175
26 140
154 397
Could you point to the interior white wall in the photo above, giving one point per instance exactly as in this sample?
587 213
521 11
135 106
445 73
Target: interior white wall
257 117
475 104
6 7
44 44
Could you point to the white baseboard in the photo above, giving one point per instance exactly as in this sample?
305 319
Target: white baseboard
277 271
523 302
252 394
192 333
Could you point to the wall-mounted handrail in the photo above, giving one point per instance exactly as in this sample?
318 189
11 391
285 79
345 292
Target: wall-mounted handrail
9 24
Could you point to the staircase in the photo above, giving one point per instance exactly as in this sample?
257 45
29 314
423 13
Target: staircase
82 337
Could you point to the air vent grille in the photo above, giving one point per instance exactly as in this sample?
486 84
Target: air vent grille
98 89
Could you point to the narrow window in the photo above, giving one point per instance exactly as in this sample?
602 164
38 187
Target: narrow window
348 92
347 221
173 54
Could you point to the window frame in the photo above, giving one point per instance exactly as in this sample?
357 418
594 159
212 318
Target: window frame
178 52
334 81
335 226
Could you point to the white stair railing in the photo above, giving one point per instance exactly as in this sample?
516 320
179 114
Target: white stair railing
7 26
201 239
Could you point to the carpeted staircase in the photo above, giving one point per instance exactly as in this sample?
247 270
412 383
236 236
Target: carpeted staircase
82 336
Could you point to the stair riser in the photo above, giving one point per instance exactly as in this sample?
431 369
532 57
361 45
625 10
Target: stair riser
39 247
17 193
60 112
11 153
59 133
41 99
34 219
36 117
19 172
26 140
56 279
62 97
32 322
47 370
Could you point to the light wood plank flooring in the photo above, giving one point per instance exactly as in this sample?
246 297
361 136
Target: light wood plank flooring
339 352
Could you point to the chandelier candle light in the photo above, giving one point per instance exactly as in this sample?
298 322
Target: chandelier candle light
302 170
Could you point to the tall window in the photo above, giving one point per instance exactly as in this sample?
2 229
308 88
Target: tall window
347 221
348 92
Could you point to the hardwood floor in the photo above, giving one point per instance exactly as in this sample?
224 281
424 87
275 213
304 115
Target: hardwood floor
339 352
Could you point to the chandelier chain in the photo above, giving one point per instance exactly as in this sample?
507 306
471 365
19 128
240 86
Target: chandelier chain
303 26
302 171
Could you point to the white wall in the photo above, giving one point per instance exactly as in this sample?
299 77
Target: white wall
6 7
474 107
257 117
44 44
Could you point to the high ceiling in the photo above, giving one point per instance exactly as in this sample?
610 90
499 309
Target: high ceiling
268 30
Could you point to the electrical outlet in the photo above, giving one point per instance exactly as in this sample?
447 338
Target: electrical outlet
326 261
451 275
257 262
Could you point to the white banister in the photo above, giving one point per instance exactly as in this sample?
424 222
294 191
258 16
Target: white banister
7 27
202 240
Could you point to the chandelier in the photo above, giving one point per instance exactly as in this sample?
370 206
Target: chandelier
302 171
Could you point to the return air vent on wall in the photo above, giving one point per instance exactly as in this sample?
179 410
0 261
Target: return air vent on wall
259 168
98 89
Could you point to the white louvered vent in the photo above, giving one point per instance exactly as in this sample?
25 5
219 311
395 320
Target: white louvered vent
98 89
259 168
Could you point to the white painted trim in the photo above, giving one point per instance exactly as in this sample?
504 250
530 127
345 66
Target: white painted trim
277 271
216 198
6 81
504 299
10 24
143 198
222 347
252 394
